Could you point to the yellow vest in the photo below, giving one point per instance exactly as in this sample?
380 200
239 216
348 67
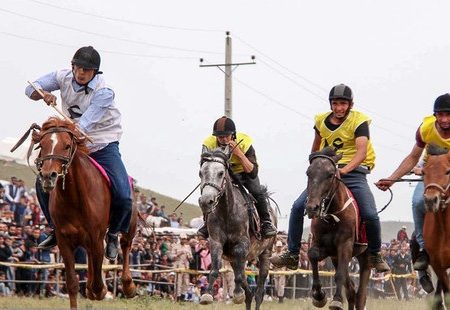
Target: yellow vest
236 166
343 138
429 134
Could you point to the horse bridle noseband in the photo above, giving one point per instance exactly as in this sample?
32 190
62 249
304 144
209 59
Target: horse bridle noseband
221 188
445 198
66 160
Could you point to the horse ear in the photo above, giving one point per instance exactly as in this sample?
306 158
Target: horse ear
204 149
338 157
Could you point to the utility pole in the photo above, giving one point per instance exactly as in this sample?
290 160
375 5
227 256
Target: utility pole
229 67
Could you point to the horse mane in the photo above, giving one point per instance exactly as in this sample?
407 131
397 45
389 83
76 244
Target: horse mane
433 149
326 151
217 152
58 122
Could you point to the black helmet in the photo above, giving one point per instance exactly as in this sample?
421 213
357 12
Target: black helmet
341 91
87 58
224 126
442 103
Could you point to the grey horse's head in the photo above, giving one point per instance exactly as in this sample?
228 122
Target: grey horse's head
321 175
213 174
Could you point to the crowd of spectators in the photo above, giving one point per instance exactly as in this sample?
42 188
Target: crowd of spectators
155 255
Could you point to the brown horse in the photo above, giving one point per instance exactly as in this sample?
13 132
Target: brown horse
334 229
436 229
79 204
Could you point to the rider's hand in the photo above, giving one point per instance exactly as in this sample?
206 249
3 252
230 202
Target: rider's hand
236 150
384 184
417 170
49 98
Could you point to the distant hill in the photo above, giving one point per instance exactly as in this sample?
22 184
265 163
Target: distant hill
11 168
389 230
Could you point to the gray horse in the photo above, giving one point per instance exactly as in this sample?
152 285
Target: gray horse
228 226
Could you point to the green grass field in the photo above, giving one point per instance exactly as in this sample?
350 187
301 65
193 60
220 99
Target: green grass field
149 303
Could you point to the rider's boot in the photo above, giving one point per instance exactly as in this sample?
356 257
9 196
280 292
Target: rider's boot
49 242
286 259
203 230
422 260
112 246
267 229
425 281
376 261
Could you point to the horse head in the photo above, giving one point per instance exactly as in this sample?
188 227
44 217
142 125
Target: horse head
58 141
436 178
322 180
214 175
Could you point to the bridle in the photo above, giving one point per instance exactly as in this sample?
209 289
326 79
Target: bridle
326 201
66 160
220 188
444 197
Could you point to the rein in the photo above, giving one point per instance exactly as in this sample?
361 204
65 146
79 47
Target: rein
324 206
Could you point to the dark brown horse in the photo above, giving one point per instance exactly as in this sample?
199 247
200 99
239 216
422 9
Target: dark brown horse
228 226
334 229
79 204
436 229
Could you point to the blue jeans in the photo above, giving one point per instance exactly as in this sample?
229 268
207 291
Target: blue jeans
418 210
357 183
121 204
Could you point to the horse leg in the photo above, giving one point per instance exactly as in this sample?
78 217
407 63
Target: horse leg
239 255
341 277
263 273
72 284
364 276
128 286
96 260
442 289
90 276
349 288
216 262
318 295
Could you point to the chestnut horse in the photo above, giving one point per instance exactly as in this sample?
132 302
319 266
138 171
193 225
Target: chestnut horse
334 229
436 229
79 204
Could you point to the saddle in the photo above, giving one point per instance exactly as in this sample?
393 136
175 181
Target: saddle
250 202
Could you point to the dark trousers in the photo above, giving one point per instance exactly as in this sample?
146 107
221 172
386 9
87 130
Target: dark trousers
254 187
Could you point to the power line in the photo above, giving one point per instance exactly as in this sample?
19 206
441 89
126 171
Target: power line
109 36
311 82
102 50
272 99
127 21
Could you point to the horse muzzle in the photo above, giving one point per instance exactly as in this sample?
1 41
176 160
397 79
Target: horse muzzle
48 181
312 211
207 203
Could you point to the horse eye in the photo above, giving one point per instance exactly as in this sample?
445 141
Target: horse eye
220 174
200 173
67 147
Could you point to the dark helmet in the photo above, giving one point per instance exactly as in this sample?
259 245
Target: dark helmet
224 126
442 103
87 58
341 91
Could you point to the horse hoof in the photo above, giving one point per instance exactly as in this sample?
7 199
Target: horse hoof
336 305
206 299
319 303
238 299
89 294
130 290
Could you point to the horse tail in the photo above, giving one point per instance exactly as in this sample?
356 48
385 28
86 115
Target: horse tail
267 194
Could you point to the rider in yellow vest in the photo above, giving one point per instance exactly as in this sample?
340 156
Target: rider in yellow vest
244 166
348 132
435 129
